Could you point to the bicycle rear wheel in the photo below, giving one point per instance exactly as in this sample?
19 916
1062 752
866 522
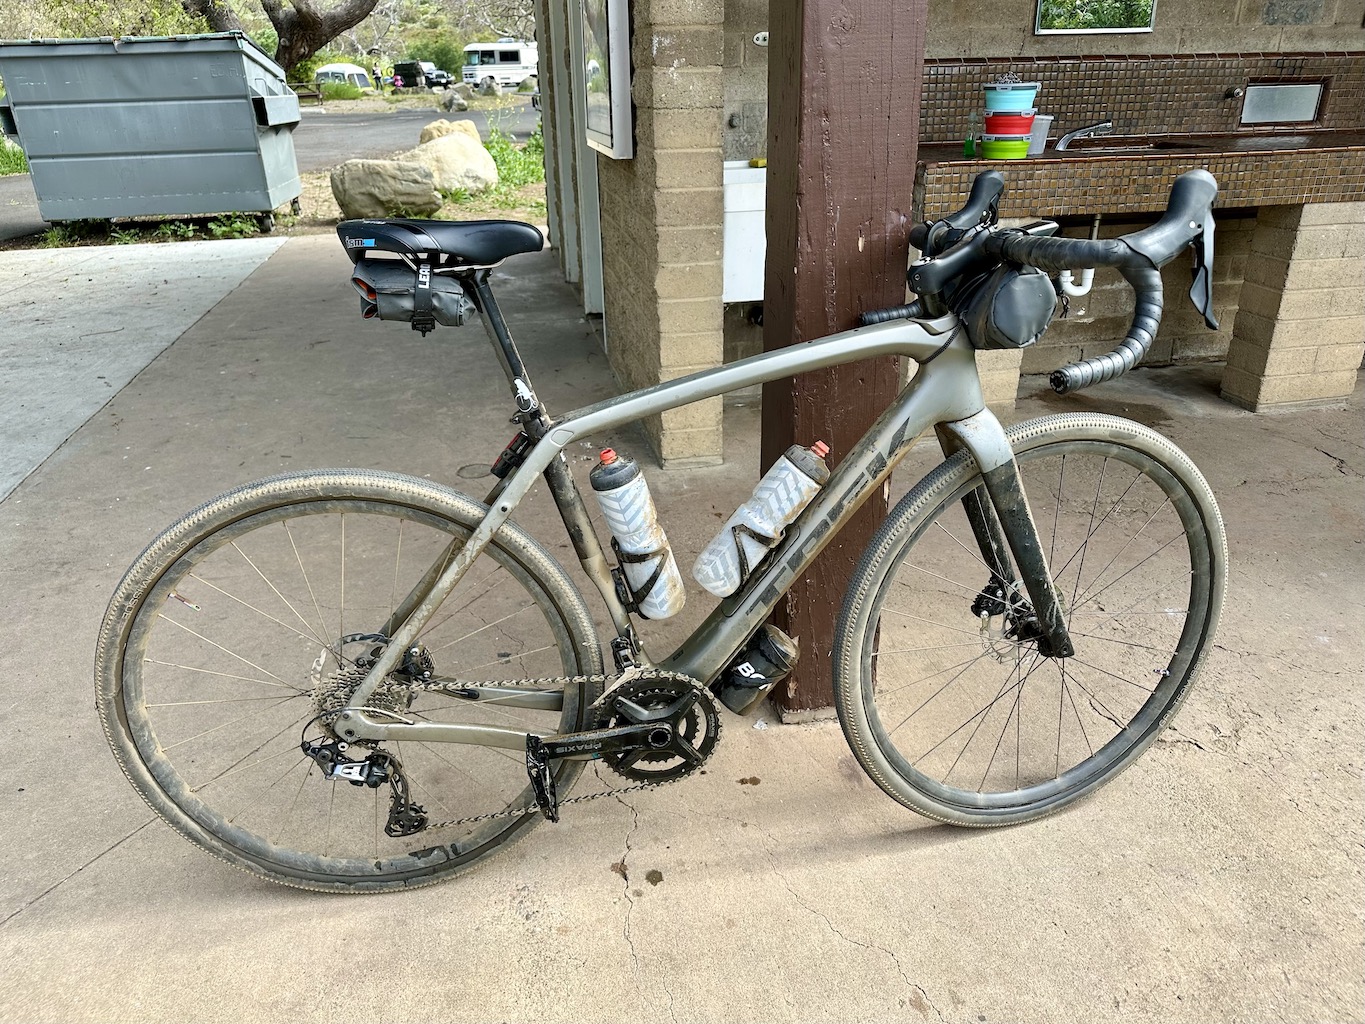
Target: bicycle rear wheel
954 717
245 620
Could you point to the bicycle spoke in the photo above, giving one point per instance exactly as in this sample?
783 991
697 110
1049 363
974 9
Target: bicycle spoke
230 654
304 573
283 625
225 675
266 580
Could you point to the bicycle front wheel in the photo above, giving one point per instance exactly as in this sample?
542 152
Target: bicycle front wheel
249 621
956 717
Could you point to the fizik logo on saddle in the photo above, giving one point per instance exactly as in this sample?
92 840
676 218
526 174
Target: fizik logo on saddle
360 243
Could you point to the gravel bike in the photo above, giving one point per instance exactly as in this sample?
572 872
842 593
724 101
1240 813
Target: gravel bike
354 680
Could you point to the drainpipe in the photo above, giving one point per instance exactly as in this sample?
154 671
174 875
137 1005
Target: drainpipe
1065 279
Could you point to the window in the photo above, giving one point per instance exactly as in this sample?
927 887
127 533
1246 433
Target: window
1078 16
509 56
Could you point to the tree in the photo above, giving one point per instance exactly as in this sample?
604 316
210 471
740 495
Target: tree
305 26
302 27
514 18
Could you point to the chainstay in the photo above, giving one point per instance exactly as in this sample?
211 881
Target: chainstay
549 681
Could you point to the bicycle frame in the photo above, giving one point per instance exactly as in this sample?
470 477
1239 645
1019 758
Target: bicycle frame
945 392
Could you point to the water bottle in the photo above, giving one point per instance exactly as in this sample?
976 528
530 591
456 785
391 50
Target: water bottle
651 572
757 525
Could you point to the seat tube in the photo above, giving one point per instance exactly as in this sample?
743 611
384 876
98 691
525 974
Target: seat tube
983 436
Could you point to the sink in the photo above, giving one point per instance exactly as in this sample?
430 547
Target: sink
1125 144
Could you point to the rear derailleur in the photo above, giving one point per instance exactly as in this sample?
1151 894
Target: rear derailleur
405 817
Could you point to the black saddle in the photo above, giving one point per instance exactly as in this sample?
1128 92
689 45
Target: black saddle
444 243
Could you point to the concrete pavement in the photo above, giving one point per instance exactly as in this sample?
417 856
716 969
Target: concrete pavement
1217 880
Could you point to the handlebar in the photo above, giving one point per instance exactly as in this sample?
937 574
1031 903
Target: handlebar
966 242
1137 256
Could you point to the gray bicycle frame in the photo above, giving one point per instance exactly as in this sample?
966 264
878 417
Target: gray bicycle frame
945 392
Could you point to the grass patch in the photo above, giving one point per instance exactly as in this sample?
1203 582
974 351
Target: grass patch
237 225
12 160
519 164
341 91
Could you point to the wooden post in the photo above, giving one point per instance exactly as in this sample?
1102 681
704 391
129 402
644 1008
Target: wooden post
844 101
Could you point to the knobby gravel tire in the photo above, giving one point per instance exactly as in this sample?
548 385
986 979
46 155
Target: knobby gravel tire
882 622
221 529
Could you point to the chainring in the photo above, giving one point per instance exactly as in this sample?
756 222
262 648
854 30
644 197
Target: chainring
698 725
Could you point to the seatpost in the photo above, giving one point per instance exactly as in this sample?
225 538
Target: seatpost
529 410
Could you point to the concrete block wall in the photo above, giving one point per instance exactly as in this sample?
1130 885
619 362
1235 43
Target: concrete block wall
1300 330
746 80
1098 321
661 221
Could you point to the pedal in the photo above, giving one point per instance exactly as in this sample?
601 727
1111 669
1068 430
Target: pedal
542 779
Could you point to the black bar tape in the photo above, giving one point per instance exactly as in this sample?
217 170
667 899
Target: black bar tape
1056 254
881 316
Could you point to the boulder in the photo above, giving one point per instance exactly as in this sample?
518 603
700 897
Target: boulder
529 84
464 90
456 162
453 101
441 128
384 188
490 88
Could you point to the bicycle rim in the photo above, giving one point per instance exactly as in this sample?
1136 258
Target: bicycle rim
241 627
970 724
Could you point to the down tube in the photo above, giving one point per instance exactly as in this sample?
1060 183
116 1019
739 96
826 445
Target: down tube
944 390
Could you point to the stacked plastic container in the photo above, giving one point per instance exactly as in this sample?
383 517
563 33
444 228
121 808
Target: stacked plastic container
1009 119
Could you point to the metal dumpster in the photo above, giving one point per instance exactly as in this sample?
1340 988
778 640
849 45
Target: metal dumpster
151 125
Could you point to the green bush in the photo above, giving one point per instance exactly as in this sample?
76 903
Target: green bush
517 165
341 91
12 160
234 225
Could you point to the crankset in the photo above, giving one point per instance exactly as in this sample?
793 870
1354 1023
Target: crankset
649 730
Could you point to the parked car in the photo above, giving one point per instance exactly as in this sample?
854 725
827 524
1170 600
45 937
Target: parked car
349 73
431 75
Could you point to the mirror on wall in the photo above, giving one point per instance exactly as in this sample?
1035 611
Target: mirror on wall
1056 16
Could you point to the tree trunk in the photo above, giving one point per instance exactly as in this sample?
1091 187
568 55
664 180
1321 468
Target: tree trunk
304 29
218 13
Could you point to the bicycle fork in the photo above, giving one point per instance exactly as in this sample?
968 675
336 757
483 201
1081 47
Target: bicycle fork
1003 525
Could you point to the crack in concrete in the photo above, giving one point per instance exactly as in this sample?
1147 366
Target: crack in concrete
1341 463
625 879
62 881
801 902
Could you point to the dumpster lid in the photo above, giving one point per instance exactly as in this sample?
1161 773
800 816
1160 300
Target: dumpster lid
234 40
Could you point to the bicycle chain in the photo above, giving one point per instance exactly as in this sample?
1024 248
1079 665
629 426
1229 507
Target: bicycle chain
519 812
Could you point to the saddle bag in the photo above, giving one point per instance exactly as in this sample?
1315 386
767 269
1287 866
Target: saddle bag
391 290
1010 307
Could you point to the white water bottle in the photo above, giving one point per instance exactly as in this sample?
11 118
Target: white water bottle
757 525
651 572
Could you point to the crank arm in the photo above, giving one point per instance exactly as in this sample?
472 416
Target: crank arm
593 743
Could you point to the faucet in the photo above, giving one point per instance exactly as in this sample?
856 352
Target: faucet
1088 132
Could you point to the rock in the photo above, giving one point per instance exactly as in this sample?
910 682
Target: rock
438 129
490 88
464 90
456 162
453 101
385 188
529 84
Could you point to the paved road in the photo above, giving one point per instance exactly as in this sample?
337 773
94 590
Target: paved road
323 140
320 141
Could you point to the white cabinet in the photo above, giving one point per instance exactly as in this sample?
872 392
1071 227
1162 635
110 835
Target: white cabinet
746 242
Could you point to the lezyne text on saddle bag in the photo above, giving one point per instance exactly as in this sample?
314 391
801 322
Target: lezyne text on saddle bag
388 287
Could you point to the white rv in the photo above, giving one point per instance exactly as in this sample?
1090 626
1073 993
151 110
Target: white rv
508 62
